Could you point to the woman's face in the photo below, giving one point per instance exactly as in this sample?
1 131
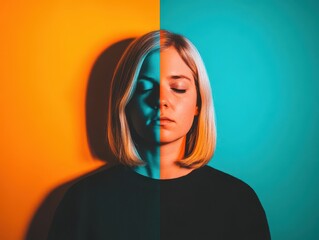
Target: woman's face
163 106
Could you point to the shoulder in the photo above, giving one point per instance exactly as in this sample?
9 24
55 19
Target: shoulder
248 216
82 202
218 179
107 174
89 190
106 179
227 189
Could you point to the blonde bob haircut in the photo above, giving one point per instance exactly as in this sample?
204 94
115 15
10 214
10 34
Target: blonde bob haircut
200 140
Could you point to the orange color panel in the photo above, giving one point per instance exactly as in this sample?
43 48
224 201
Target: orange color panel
48 50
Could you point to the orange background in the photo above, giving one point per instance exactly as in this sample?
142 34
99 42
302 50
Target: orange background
48 50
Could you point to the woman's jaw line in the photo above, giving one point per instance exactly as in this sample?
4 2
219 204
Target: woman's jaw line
162 159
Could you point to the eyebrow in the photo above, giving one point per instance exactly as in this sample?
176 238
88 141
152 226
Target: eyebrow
174 77
180 76
146 78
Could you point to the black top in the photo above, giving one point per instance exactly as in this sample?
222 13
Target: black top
119 203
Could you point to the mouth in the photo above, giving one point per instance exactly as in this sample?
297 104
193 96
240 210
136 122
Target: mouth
162 121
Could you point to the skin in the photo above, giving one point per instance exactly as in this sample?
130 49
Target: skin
162 112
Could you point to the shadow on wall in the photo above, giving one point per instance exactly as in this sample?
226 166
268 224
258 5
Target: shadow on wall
96 117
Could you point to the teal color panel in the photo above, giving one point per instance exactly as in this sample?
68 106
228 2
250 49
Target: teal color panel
263 61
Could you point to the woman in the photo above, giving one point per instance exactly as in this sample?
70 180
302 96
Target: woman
161 128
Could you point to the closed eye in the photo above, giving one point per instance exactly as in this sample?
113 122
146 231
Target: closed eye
179 90
144 86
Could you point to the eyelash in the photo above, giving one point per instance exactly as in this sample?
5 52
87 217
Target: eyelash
179 90
142 91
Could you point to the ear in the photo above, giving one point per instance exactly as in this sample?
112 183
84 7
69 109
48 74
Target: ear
196 111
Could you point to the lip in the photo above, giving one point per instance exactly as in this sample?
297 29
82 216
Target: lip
162 121
166 119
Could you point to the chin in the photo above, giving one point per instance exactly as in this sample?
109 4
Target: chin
167 140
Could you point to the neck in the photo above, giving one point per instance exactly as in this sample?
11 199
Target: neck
161 160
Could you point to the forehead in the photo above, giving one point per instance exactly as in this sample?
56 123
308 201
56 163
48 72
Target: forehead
173 64
167 62
151 65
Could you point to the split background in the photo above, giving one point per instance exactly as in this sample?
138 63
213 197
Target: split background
263 61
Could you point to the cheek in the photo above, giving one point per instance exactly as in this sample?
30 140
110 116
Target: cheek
140 108
186 113
189 104
136 104
135 118
138 113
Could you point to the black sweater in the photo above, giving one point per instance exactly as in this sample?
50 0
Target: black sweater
121 204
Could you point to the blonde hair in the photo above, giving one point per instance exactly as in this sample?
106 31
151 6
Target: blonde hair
200 140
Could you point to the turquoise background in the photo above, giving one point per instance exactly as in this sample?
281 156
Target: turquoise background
263 59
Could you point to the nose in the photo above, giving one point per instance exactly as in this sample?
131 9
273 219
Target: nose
163 104
164 101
